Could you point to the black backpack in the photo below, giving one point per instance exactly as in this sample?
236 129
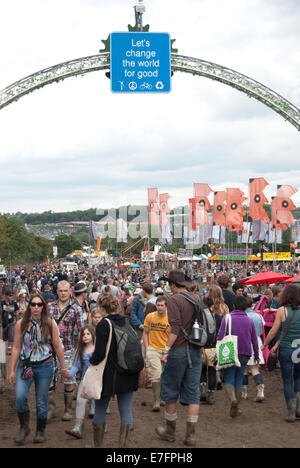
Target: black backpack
129 351
207 324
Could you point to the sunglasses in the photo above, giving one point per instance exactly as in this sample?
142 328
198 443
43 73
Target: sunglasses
36 304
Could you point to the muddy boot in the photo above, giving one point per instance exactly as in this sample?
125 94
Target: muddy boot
156 396
260 393
68 415
245 392
230 392
24 428
168 433
124 435
219 380
210 397
298 405
239 393
99 430
40 431
203 396
92 409
291 417
77 429
190 438
51 405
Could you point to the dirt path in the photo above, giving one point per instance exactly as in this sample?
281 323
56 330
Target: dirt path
261 425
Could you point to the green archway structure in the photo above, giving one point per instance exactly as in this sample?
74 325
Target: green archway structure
195 66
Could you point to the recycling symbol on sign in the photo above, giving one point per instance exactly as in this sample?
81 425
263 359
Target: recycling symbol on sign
159 85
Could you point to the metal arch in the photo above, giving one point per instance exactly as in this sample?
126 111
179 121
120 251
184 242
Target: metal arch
195 66
240 82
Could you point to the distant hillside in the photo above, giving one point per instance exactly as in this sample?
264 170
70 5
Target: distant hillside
49 217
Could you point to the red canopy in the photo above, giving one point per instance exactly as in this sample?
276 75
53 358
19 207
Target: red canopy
293 279
267 277
242 280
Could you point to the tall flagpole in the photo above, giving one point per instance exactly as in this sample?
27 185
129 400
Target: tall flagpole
247 230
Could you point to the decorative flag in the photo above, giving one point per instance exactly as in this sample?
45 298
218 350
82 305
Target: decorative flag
223 235
207 230
122 230
216 233
193 222
270 237
164 209
259 230
98 243
296 232
246 232
234 209
201 192
219 208
257 199
153 208
282 205
96 230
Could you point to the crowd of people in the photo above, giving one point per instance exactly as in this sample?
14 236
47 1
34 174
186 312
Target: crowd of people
56 324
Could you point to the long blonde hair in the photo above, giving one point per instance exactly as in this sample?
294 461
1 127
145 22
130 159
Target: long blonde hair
216 296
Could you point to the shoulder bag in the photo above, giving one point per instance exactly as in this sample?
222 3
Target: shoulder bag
227 348
93 379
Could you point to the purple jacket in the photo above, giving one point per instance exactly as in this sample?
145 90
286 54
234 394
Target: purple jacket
243 327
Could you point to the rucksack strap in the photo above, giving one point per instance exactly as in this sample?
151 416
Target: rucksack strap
64 314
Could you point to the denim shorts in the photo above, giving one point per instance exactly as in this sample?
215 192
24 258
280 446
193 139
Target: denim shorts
178 379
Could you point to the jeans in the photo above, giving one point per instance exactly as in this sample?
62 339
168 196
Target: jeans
290 372
42 377
234 375
124 404
179 379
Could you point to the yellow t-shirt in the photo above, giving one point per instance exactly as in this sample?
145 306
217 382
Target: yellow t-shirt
159 330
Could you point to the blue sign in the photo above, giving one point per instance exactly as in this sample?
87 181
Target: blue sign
140 62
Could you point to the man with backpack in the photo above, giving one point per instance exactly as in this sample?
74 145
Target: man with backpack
182 371
138 308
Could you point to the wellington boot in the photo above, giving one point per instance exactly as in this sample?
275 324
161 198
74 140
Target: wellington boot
39 437
298 405
190 437
245 392
68 415
260 393
203 396
167 433
92 409
124 435
77 429
24 428
238 393
291 417
99 430
51 405
230 392
210 397
156 396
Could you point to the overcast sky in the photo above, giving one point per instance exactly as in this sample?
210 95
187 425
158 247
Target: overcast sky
76 145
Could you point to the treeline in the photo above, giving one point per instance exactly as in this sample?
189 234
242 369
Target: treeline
50 217
17 246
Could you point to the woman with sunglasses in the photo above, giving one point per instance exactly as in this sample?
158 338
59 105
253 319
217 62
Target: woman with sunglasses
37 339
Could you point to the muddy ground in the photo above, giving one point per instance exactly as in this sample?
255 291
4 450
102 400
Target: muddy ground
262 425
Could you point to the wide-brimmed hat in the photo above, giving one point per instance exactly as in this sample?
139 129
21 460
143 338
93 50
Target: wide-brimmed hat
80 287
179 278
